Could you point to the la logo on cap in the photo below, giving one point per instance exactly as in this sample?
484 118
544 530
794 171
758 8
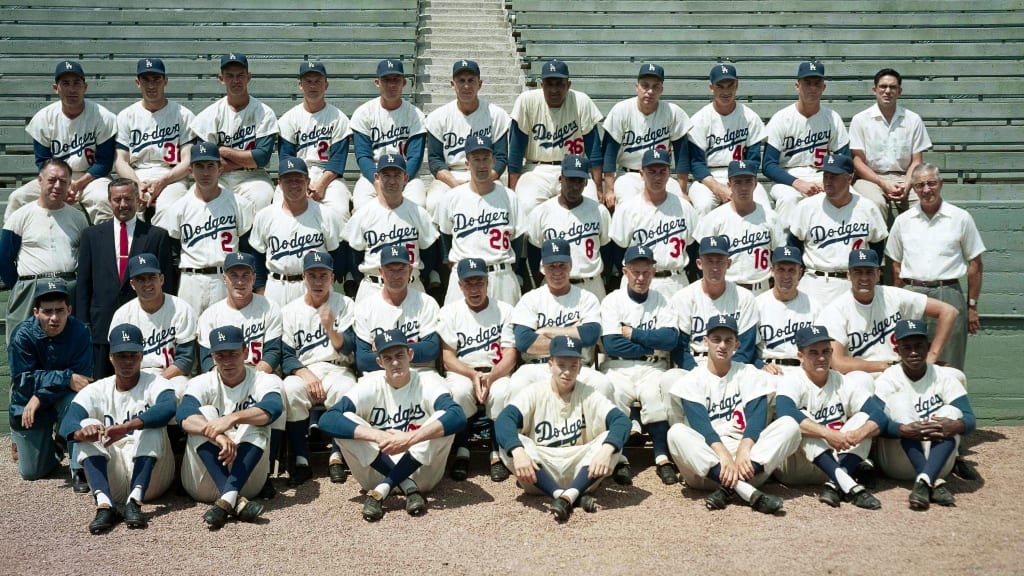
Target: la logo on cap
290 165
148 64
387 337
569 343
231 56
578 163
202 148
124 336
51 285
657 154
724 69
316 256
831 159
220 337
787 252
464 63
554 247
309 64
812 66
552 67
68 66
650 67
742 164
862 256
910 324
391 158
479 140
640 251
391 64
712 241
142 259
472 264
814 330
721 319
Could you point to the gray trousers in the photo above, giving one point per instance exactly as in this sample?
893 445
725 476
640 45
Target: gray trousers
956 347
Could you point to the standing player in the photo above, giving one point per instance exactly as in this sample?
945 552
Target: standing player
723 131
782 311
582 222
637 125
120 426
244 130
79 132
451 125
799 137
388 125
318 133
660 222
547 124
153 142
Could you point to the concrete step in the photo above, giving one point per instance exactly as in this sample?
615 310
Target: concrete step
461 33
447 57
464 20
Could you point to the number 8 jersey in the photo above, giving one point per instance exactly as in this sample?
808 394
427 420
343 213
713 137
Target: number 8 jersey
153 139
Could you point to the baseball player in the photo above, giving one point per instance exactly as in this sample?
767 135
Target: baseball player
580 221
318 346
660 222
120 426
800 136
828 226
724 442
547 124
928 412
390 219
714 296
451 125
82 134
318 133
153 142
388 125
227 413
209 221
782 311
244 131
483 219
637 125
723 131
282 234
395 428
838 417
478 351
638 332
754 228
559 435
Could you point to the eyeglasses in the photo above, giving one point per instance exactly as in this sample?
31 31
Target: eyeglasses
923 185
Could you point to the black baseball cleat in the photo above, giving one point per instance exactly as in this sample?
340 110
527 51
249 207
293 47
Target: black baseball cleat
863 499
338 473
588 503
561 508
217 516
78 482
865 474
621 475
765 503
668 473
963 470
133 516
942 496
920 496
830 495
415 503
247 510
460 469
718 499
268 491
373 507
104 521
498 472
299 474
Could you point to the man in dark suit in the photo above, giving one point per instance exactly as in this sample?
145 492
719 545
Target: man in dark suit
102 266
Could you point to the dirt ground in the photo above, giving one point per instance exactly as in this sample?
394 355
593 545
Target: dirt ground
480 527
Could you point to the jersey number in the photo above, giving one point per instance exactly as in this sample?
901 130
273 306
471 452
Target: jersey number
739 152
574 146
255 352
321 150
168 354
819 156
500 240
225 242
588 246
760 259
737 420
678 247
90 155
837 425
172 154
411 247
496 349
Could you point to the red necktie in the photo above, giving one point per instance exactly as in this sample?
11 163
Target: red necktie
122 252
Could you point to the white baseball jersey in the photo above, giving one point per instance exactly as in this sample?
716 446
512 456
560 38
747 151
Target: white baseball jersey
417 317
779 322
389 131
451 127
313 133
726 138
618 309
549 421
832 404
173 324
154 139
829 234
637 132
724 398
104 402
482 226
209 230
803 141
584 227
208 389
73 140
285 239
937 388
952 242
869 331
477 337
753 238
695 308
220 123
301 329
666 229
403 409
49 238
374 225
888 146
554 132
539 308
260 322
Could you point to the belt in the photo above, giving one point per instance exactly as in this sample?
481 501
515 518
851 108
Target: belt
499 267
61 275
751 286
551 163
379 280
784 361
578 280
624 169
699 354
931 284
837 274
667 273
207 270
650 359
543 360
484 370
286 277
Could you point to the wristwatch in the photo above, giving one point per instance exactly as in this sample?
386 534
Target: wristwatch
972 303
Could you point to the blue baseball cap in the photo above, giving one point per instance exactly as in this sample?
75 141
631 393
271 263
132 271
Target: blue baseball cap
316 259
722 321
226 338
554 69
389 339
68 67
391 161
810 70
471 267
50 286
651 70
203 151
864 259
721 72
637 252
574 166
555 250
143 264
389 66
289 164
392 253
479 142
307 67
838 164
461 65
239 259
150 66
742 168
125 338
654 156
562 346
714 245
810 335
907 327
234 58
787 254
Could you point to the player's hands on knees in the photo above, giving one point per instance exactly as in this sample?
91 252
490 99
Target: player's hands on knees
116 433
838 440
948 428
90 433
216 427
601 465
744 466
806 188
729 474
524 467
228 449
28 415
315 389
481 387
918 430
772 369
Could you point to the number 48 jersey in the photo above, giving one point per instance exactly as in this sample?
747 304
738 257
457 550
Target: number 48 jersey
154 139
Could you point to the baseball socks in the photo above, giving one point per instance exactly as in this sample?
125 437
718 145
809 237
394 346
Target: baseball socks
96 471
826 461
142 471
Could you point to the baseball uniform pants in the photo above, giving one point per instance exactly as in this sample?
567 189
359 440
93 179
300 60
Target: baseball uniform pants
336 381
539 182
282 292
364 192
799 468
337 196
704 200
253 184
786 197
461 389
168 196
201 290
196 479
889 453
562 462
634 380
437 192
121 455
630 185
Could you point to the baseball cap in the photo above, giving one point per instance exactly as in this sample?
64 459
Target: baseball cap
391 161
863 259
810 335
307 67
787 254
390 66
201 151
143 264
637 252
479 142
291 164
714 245
574 166
50 286
555 250
461 65
742 168
392 253
554 69
906 327
654 156
125 338
838 164
721 72
470 267
810 69
390 339
722 321
150 66
566 346
226 338
234 58
651 70
316 259
68 67
239 259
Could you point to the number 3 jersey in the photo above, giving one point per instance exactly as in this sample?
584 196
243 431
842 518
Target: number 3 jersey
172 325
154 139
477 337
724 398
832 404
